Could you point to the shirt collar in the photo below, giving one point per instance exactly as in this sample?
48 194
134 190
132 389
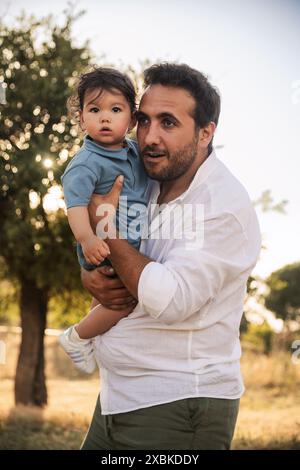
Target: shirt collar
204 170
92 146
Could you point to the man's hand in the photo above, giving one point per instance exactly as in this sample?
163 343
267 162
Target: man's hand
110 200
108 290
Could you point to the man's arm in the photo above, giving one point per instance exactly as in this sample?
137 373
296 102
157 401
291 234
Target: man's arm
126 260
128 263
190 279
187 280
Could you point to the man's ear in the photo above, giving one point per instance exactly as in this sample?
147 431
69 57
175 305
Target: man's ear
206 134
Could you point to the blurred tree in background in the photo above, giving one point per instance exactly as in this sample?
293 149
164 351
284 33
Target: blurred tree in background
36 140
283 297
266 203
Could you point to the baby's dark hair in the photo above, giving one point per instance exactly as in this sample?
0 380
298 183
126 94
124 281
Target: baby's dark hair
107 79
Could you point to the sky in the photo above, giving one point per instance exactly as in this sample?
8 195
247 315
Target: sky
251 51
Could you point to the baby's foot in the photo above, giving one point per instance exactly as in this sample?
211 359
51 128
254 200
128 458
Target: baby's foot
81 351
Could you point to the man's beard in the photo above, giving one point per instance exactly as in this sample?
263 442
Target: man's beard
179 162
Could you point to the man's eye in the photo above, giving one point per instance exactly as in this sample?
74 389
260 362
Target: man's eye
168 123
116 109
94 110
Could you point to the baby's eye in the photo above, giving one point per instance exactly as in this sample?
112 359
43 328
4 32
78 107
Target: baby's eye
116 109
94 110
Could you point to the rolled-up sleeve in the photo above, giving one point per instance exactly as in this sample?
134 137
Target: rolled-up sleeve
188 279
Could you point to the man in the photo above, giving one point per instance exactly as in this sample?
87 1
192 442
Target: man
170 371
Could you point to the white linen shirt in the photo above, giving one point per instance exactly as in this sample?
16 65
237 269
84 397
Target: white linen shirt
182 339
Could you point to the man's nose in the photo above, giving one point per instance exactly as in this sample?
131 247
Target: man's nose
152 136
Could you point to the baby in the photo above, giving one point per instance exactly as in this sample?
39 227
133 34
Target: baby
105 102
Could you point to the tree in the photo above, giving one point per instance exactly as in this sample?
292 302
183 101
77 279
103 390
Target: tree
36 140
283 297
267 204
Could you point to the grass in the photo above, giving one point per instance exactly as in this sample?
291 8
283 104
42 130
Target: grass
61 425
269 416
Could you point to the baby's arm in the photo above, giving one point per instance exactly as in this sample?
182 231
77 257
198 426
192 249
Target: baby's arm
94 249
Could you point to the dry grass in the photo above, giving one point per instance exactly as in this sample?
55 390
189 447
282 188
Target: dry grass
268 419
269 416
61 425
71 400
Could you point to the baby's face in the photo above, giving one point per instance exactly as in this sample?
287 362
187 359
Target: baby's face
106 117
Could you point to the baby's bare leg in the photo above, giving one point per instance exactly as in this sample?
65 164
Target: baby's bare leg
99 320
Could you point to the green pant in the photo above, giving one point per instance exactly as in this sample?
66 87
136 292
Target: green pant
192 423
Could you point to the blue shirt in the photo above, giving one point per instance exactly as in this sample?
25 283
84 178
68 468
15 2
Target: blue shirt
94 169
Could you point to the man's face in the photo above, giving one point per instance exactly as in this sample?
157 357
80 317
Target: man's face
166 132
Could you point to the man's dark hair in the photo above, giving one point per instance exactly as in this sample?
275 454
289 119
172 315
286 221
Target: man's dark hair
104 78
207 98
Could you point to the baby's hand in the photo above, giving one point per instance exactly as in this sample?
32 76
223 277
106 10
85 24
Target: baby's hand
94 249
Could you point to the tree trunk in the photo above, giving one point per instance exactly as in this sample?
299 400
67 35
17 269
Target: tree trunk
30 385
